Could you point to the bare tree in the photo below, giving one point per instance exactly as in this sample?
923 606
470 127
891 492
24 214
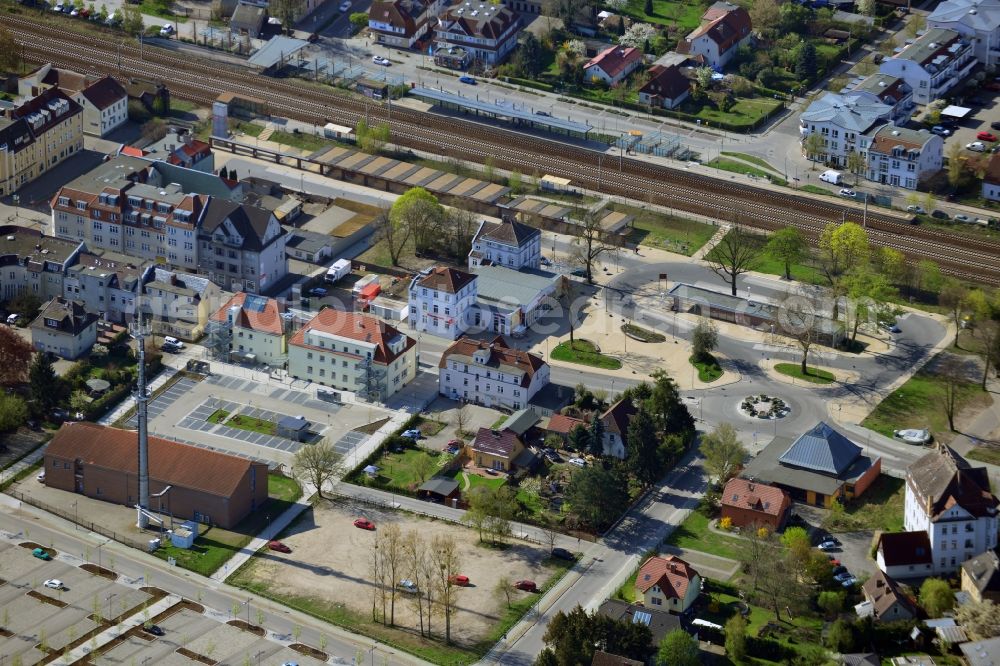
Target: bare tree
393 559
414 554
735 255
461 419
393 232
952 372
317 464
445 557
428 571
797 320
590 244
503 590
375 574
953 297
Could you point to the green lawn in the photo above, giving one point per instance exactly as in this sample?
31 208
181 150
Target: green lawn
751 158
880 508
215 546
986 454
252 424
918 404
307 142
813 375
584 353
686 16
643 334
801 272
666 232
160 9
708 369
744 113
399 470
694 534
815 189
733 166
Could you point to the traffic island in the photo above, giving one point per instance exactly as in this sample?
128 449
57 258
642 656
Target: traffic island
811 375
708 367
585 352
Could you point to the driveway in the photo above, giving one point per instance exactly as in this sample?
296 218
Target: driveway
854 546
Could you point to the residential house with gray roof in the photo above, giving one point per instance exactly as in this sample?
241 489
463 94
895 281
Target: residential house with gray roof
241 247
935 63
33 263
506 243
981 577
844 122
891 90
976 20
64 328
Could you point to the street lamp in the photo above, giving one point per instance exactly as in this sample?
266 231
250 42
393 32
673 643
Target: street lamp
76 515
108 599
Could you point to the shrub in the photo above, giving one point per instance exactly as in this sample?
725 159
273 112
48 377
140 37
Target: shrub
726 523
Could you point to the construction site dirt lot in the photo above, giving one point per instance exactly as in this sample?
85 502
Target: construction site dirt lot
330 564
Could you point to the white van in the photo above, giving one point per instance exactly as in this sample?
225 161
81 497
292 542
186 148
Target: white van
173 342
832 177
12 319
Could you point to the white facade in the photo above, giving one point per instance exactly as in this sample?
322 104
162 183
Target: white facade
490 375
976 20
437 308
991 190
509 244
844 122
100 122
955 535
903 157
933 64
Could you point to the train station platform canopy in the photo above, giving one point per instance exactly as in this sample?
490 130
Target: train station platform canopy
278 49
506 110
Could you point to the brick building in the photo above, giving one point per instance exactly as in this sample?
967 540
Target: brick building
749 503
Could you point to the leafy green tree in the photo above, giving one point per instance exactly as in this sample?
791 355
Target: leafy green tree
813 145
788 246
131 19
45 388
830 602
418 211
842 247
359 21
596 436
666 407
597 495
678 648
936 596
856 164
765 15
724 454
840 637
736 638
13 412
572 638
642 448
579 439
704 340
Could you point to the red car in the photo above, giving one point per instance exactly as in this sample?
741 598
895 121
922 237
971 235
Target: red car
986 136
461 580
278 546
454 443
364 524
526 585
834 562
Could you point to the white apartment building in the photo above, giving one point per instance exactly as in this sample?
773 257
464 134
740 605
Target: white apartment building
903 157
105 106
486 31
951 501
506 243
443 301
353 352
890 90
402 23
253 329
976 20
491 373
64 328
724 28
105 286
844 122
933 64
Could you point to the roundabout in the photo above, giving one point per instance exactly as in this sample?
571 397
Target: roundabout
762 406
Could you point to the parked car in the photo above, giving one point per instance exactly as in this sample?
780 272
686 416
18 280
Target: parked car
893 328
345 5
465 78
976 146
986 136
459 580
166 30
543 113
842 576
412 433
848 192
562 554
851 580
173 341
41 554
961 217
53 584
919 210
318 292
913 436
380 60
940 131
364 524
408 585
278 546
579 462
526 585
939 215
546 261
12 318
152 629
837 570
41 477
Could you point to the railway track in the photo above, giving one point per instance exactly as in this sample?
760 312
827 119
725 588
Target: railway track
202 81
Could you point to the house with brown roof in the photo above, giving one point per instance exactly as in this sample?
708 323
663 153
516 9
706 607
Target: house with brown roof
562 425
487 32
181 148
402 23
668 583
104 100
612 65
251 329
506 243
206 486
443 301
602 658
354 352
667 87
491 373
903 157
904 554
724 28
615 420
747 503
886 600
496 449
951 501
65 328
981 577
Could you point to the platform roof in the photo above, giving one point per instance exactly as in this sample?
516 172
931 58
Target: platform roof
507 110
278 48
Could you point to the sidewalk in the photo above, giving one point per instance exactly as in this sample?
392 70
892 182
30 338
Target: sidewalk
24 463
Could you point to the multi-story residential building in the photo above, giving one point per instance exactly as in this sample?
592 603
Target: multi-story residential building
104 100
893 91
668 583
124 206
36 136
443 301
491 373
487 32
525 6
612 65
903 157
510 301
106 286
179 304
845 123
951 501
506 243
252 329
32 263
402 23
977 20
241 247
64 328
724 28
352 352
933 64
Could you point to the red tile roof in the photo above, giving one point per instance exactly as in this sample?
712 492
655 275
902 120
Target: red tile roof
563 424
355 327
169 462
266 320
615 59
744 494
723 23
900 548
443 278
671 574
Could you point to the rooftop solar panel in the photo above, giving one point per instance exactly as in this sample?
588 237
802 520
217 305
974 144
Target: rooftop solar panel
642 617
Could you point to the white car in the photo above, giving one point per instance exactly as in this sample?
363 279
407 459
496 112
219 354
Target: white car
976 147
408 585
413 433
166 30
53 584
849 581
379 60
847 192
919 210
913 436
579 462
827 545
345 5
